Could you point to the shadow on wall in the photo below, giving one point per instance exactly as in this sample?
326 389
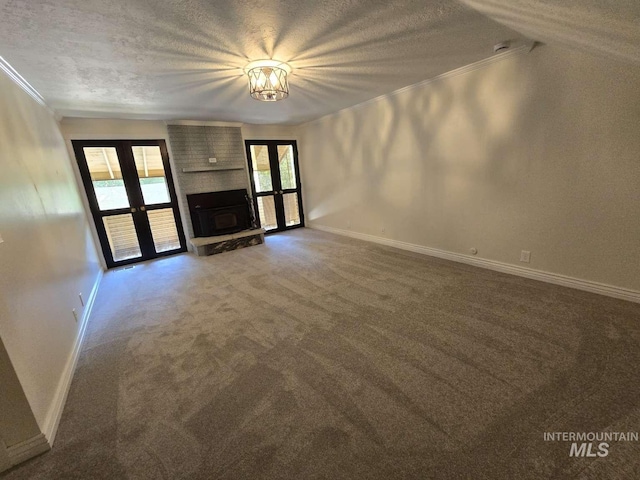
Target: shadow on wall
533 152
414 153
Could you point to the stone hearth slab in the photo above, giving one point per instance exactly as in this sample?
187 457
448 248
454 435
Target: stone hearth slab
224 243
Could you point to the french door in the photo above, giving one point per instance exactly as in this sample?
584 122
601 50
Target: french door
275 181
132 198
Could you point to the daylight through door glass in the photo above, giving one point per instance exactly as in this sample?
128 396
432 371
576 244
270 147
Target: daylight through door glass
151 174
287 168
261 168
122 236
106 177
291 210
163 230
267 212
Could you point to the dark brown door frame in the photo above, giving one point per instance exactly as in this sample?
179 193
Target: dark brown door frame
134 194
276 183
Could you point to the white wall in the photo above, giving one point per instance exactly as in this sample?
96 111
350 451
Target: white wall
112 129
269 132
537 151
47 257
120 129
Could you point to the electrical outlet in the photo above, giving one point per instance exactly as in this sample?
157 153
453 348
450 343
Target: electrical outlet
75 314
213 160
81 299
525 256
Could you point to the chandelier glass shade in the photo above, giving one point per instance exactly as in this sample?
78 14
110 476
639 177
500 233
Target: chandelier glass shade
268 83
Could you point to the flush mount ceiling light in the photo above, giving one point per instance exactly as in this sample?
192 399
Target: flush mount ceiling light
268 80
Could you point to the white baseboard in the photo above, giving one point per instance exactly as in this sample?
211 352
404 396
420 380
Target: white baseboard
55 413
29 448
5 460
555 278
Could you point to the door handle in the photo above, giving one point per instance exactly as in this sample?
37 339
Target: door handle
133 210
143 208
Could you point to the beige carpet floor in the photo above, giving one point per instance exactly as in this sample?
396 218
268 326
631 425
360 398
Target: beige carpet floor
321 357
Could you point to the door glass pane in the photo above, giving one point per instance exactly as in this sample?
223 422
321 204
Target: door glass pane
291 210
151 174
106 177
261 168
267 212
163 229
287 168
122 237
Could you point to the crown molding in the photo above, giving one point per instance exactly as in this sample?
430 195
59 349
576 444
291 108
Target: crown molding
203 123
22 83
526 48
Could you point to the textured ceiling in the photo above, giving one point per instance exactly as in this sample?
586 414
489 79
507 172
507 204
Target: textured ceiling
183 59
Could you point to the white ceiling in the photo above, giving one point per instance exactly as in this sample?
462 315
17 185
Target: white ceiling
183 59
